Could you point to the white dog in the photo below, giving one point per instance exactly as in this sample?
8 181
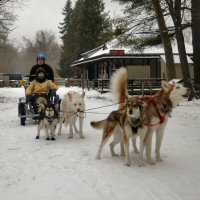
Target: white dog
72 106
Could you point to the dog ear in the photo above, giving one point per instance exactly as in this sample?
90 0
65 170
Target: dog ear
165 84
83 95
41 107
128 102
144 104
56 107
70 96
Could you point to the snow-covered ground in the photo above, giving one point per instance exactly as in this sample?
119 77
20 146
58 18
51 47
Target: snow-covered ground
66 169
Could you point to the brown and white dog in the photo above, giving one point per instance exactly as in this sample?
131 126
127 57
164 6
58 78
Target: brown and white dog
127 122
157 110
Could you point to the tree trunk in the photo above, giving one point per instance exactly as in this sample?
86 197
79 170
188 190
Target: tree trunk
182 53
175 13
170 66
196 39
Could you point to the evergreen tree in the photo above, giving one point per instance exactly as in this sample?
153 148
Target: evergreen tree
92 24
64 31
86 29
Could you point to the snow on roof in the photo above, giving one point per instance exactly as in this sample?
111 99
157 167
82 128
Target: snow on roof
112 45
177 59
156 49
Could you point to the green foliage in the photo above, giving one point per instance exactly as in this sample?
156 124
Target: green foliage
139 21
139 25
85 27
64 26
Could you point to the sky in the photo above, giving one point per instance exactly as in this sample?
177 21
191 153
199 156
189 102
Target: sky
46 15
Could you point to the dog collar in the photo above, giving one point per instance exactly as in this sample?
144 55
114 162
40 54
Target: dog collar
122 110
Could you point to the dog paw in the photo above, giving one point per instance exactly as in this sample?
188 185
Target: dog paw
136 151
159 159
70 137
122 154
141 164
115 155
59 134
151 162
98 157
47 139
128 164
82 137
53 138
37 137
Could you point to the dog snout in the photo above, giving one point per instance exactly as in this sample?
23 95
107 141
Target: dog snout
78 109
130 112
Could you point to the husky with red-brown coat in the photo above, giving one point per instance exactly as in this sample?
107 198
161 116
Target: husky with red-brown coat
156 111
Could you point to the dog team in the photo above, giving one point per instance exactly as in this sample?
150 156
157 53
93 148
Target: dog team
136 116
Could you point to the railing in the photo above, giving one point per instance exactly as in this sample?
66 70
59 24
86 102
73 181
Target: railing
135 86
144 86
68 82
60 81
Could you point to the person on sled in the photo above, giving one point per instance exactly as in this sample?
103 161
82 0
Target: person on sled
41 86
41 58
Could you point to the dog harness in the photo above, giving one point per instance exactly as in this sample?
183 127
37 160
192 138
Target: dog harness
135 122
166 106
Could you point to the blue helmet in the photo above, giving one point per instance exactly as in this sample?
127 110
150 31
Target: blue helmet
41 56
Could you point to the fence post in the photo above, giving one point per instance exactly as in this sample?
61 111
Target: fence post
102 85
83 84
142 87
150 87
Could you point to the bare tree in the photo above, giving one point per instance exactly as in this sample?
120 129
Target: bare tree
45 42
176 13
8 56
7 16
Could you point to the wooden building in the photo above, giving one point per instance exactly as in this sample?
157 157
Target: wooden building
100 63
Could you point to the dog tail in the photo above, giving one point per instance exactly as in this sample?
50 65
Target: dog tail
118 85
98 124
41 100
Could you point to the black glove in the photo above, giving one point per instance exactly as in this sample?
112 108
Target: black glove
53 92
28 98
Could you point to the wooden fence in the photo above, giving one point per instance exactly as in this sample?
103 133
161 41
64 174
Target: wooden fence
135 86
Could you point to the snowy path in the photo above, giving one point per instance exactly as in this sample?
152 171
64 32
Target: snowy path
67 169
